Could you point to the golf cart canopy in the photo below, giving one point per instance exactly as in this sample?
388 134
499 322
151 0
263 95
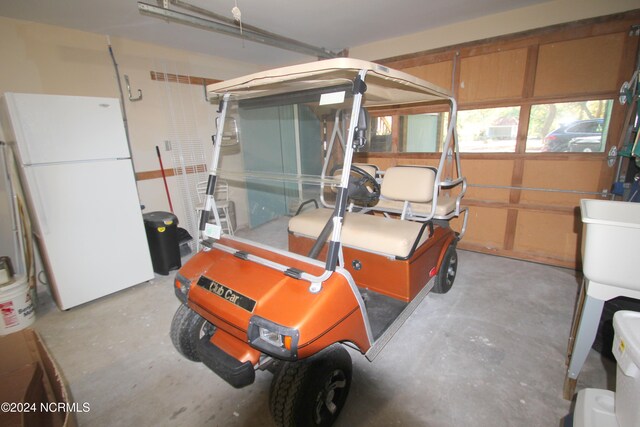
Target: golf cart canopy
385 87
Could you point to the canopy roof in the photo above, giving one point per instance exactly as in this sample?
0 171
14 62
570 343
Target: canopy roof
385 86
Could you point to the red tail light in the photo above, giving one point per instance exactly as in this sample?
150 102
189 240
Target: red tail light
547 141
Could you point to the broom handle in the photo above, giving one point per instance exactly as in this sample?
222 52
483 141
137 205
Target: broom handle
164 179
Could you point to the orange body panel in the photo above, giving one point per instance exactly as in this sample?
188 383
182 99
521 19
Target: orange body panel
350 326
236 348
331 315
400 279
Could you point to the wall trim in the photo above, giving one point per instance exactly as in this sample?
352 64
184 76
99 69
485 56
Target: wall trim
180 78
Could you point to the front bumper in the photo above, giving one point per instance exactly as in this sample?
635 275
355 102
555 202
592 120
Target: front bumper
230 369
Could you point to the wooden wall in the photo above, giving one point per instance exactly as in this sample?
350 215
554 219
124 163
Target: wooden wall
525 205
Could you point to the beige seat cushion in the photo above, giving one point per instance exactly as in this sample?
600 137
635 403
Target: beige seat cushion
444 206
415 185
412 183
388 236
370 169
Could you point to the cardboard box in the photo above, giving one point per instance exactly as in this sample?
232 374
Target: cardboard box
32 390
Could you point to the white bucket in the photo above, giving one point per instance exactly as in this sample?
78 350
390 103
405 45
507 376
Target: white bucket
16 306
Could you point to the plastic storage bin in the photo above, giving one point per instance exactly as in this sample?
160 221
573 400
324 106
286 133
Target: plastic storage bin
595 408
626 349
162 235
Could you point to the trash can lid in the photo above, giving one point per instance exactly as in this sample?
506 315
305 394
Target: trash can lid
160 218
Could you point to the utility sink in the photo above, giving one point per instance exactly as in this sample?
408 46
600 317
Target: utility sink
611 242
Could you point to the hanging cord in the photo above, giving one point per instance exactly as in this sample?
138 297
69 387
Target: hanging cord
22 222
124 110
237 16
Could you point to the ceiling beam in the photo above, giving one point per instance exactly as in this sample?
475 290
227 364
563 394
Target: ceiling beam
248 32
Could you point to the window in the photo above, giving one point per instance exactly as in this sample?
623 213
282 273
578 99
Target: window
423 133
415 133
381 134
559 127
489 130
569 127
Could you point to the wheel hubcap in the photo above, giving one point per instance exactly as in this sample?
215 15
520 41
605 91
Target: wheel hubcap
451 271
329 395
206 329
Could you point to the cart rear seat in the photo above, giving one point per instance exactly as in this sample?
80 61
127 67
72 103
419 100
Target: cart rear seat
413 184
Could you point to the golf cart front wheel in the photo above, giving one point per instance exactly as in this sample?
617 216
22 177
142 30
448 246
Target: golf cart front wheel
447 273
313 391
187 327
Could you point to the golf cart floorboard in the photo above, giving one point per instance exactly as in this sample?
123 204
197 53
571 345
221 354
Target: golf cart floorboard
382 310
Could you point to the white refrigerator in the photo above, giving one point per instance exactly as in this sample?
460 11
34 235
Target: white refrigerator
75 167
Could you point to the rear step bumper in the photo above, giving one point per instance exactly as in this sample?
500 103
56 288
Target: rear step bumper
228 368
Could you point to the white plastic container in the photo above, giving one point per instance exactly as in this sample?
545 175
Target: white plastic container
626 349
16 306
611 231
595 408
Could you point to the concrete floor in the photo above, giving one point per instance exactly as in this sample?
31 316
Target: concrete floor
491 352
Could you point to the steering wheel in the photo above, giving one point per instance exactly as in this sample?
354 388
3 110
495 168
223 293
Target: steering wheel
363 188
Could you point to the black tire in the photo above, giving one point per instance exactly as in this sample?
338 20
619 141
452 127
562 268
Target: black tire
187 327
313 391
447 273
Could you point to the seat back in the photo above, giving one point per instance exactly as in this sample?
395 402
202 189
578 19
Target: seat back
409 183
368 168
221 193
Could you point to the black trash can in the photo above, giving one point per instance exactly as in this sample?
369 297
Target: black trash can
162 235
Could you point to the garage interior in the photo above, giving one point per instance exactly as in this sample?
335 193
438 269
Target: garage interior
492 351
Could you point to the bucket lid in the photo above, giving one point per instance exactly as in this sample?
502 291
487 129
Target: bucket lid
160 218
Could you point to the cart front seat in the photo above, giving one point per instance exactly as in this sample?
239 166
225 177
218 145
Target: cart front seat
388 236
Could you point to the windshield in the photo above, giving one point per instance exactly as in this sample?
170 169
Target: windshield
279 152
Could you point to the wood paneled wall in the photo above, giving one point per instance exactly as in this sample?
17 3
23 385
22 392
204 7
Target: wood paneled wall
525 205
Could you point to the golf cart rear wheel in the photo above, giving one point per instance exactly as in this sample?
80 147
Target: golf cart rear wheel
187 327
447 273
313 391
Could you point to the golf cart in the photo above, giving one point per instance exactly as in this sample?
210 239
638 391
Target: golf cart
363 247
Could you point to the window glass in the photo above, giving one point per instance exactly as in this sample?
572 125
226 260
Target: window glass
422 133
569 127
416 133
381 134
488 130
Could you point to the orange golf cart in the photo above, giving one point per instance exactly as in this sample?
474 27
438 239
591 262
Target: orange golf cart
358 248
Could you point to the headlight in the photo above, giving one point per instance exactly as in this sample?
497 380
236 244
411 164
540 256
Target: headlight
273 339
182 286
